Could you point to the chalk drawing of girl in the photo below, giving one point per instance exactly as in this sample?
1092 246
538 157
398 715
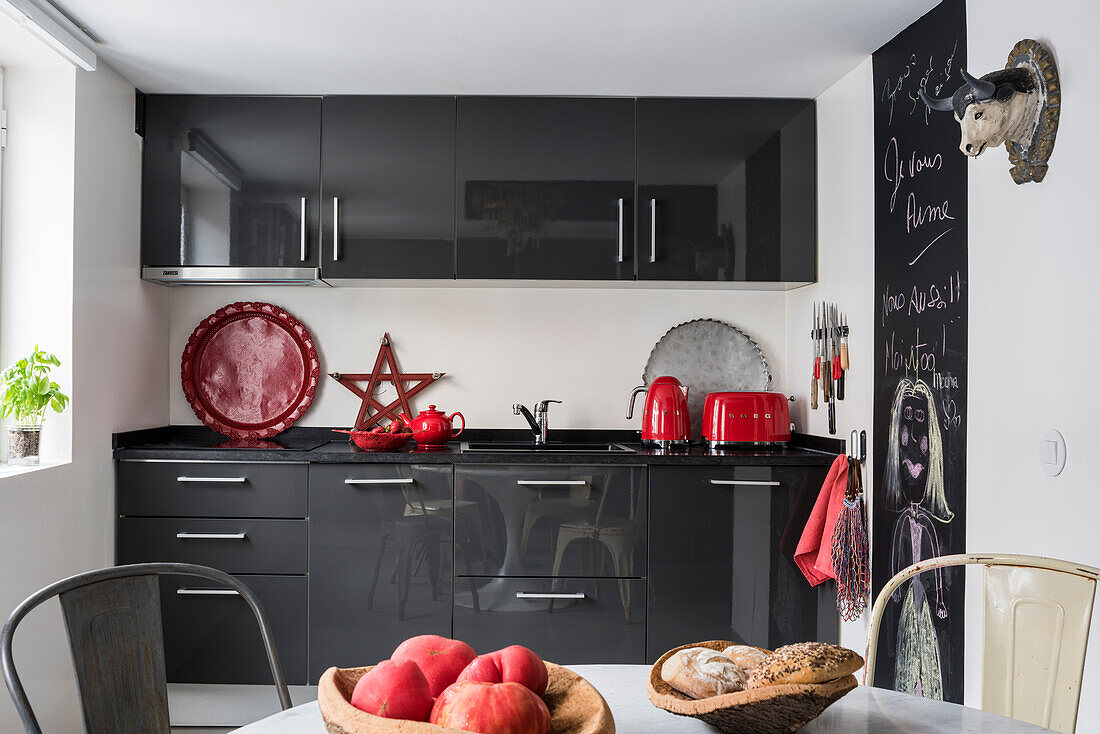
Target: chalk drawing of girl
913 486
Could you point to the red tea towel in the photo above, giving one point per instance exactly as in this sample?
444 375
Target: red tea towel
814 555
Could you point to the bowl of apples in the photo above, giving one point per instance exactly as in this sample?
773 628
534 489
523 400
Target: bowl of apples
434 685
380 438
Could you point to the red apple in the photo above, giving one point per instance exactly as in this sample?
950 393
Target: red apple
439 659
395 690
491 708
515 664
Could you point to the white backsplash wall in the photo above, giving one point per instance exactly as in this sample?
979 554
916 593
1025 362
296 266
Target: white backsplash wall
584 346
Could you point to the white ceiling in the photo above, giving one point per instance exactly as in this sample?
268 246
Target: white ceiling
769 48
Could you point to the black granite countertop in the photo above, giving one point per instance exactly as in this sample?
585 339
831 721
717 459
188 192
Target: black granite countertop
323 446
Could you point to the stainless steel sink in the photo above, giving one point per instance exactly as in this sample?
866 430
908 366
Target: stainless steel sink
492 447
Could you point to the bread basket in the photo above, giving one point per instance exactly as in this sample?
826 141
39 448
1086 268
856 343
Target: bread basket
576 707
767 710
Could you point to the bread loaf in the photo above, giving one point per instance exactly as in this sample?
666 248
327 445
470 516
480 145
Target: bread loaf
805 662
745 656
701 673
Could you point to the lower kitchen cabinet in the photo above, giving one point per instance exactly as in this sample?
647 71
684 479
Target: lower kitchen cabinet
212 637
715 568
566 620
380 549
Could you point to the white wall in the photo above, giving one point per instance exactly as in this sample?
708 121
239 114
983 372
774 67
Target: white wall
498 346
1033 346
59 521
845 265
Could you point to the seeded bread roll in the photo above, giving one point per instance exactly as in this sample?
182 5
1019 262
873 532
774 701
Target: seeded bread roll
805 662
701 673
744 656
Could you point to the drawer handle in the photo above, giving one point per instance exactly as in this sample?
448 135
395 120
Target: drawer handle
214 480
551 483
211 536
563 595
746 482
405 480
207 592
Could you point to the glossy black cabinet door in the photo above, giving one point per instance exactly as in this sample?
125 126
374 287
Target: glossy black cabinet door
379 558
212 637
726 190
538 520
566 620
716 571
231 181
388 209
545 188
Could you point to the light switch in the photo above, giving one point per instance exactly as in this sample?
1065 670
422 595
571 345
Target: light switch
1052 452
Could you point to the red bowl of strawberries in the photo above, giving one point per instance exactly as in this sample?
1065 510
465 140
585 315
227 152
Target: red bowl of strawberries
381 438
433 685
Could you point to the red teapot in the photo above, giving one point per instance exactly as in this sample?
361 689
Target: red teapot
432 429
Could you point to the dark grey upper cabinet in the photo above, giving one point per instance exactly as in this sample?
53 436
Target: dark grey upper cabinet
388 209
726 190
545 188
227 180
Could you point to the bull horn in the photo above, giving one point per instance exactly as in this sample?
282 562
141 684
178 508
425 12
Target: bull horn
942 105
982 89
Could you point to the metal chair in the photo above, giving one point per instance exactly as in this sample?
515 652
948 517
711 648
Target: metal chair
112 617
1037 614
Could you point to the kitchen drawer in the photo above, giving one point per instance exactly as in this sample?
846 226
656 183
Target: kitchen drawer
580 521
716 569
380 550
214 637
234 546
597 621
200 489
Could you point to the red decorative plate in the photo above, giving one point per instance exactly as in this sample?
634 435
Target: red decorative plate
250 370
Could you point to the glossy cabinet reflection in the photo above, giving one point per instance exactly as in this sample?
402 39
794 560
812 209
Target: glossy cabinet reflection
388 206
231 181
543 520
726 190
380 559
545 188
715 568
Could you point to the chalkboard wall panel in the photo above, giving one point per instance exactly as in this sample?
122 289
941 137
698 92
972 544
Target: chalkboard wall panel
920 359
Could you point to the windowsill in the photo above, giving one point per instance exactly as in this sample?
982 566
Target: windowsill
12 470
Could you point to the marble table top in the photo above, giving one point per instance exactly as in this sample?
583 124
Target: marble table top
863 711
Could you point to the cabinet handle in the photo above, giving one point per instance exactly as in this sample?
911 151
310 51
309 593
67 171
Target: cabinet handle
551 483
652 230
335 228
620 238
746 482
211 536
302 233
564 595
405 480
207 592
214 480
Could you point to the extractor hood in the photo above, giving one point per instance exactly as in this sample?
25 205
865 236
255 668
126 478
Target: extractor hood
228 275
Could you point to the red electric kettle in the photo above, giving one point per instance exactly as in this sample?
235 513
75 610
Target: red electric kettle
432 429
665 419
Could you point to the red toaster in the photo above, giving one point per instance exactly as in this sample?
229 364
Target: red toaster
732 418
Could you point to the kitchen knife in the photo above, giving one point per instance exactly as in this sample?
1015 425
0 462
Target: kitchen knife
817 364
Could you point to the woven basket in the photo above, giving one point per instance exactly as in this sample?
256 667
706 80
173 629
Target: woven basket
767 710
576 707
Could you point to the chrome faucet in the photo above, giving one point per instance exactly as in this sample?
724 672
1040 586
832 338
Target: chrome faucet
539 422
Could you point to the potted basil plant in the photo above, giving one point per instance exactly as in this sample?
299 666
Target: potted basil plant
25 392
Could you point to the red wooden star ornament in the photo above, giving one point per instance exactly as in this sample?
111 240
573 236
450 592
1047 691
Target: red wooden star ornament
385 356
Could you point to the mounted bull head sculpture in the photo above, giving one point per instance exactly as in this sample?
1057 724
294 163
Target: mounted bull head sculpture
1001 106
1017 106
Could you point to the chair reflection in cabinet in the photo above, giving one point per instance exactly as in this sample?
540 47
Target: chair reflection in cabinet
619 535
423 534
555 510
